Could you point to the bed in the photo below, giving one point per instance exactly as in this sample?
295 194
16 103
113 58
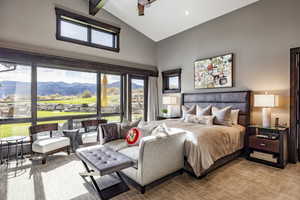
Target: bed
209 147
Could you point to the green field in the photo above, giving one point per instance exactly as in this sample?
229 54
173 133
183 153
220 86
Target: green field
72 101
42 114
113 99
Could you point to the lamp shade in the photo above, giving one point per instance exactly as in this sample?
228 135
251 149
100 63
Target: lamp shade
265 100
170 100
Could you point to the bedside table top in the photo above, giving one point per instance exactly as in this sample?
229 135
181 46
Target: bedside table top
269 128
168 117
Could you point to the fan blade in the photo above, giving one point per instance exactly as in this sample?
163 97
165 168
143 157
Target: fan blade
95 6
141 9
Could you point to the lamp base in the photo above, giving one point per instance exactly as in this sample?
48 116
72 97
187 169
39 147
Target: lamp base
266 117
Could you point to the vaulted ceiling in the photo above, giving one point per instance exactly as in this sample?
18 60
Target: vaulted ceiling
165 18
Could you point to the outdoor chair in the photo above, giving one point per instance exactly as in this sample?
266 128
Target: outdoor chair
46 145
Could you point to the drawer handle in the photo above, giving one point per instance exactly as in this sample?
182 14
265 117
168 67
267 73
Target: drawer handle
262 144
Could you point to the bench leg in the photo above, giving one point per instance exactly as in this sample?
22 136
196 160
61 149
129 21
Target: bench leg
93 180
107 192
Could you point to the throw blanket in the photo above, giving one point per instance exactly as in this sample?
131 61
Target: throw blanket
206 144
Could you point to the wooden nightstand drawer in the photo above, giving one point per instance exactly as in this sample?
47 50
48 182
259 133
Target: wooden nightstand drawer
264 144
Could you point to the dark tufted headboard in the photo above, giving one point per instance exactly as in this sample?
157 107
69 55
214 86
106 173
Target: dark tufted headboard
237 99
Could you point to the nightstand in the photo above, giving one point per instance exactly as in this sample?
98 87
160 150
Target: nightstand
166 117
267 145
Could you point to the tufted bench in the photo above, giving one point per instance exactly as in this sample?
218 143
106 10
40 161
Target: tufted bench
101 161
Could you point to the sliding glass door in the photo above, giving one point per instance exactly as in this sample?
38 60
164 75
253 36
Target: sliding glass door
138 87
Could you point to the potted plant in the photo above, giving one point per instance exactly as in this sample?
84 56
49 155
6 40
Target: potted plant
164 112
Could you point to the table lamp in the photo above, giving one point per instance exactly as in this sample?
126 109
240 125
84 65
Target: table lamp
170 101
266 101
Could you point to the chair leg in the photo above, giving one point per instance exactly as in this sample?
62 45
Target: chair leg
69 150
143 190
44 160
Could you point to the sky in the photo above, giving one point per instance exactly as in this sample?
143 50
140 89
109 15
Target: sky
23 74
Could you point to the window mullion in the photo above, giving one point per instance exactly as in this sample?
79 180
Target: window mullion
99 94
34 93
89 34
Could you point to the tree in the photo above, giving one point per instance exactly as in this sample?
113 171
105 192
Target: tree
86 94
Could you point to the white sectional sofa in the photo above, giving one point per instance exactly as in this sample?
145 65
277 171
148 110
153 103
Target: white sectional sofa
156 157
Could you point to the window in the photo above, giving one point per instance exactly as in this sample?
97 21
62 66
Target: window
138 98
15 92
74 31
7 130
85 31
110 94
172 81
65 93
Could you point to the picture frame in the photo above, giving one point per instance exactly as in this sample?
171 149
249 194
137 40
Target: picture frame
214 72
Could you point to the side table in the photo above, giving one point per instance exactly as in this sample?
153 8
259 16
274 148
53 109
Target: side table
74 140
13 140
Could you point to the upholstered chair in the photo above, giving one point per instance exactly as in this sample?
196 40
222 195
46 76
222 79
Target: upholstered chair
46 143
91 131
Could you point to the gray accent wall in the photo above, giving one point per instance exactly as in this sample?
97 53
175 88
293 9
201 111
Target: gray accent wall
260 36
31 25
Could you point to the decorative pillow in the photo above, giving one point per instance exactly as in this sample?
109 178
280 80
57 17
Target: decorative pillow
161 131
189 118
206 120
146 128
222 116
235 117
186 110
109 132
124 127
133 136
203 111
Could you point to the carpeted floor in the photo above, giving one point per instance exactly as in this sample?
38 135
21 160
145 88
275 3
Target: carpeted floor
238 180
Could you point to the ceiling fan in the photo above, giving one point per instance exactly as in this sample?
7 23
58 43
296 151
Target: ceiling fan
142 4
6 66
96 5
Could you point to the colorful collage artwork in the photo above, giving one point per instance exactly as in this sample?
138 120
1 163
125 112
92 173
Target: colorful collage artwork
214 72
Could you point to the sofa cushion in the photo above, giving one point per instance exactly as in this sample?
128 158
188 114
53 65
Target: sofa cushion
90 137
50 144
116 145
133 153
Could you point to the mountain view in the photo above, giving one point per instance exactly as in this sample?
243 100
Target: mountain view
48 88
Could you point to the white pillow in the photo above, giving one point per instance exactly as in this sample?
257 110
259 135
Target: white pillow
206 120
161 130
222 116
203 111
186 110
146 128
235 116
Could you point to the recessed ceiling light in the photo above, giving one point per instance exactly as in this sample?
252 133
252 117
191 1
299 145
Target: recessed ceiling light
186 12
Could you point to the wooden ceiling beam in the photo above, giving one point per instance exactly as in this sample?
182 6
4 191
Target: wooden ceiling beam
95 6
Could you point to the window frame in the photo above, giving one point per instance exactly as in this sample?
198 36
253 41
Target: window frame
165 81
90 24
145 79
121 114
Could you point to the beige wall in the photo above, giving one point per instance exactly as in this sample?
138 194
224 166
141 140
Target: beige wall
31 25
259 35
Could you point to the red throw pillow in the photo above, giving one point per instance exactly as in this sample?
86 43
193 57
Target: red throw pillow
133 136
